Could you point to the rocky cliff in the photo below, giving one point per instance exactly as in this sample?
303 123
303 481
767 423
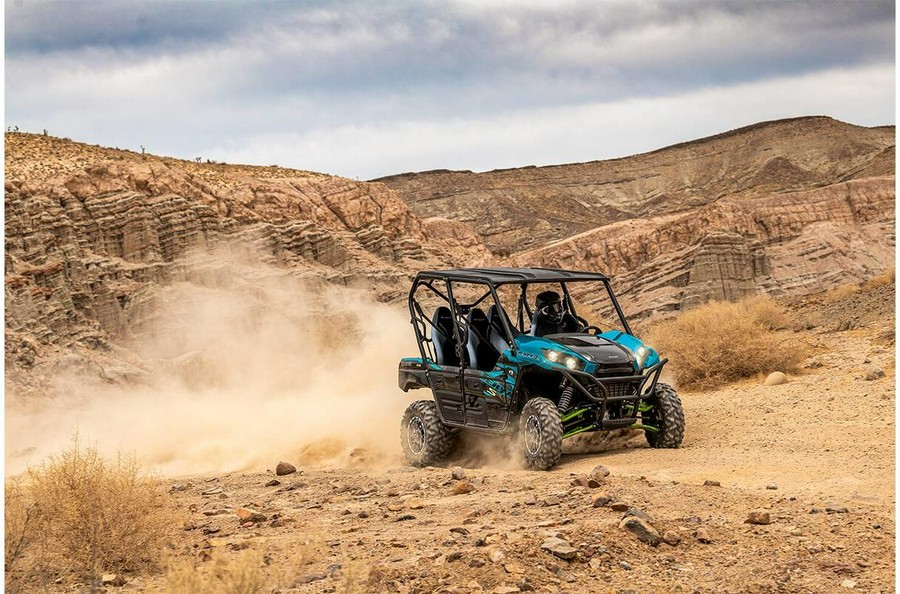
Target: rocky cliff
784 207
90 230
519 209
788 207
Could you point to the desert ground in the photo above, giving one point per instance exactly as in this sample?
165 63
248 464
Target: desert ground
784 488
214 320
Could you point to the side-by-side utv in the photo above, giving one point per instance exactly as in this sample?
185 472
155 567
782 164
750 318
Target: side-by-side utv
548 376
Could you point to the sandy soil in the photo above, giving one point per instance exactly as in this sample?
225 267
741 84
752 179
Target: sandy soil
817 453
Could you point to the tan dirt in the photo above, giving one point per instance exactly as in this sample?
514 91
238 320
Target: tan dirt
803 451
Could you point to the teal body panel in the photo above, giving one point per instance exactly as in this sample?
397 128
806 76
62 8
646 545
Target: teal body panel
529 351
633 343
500 382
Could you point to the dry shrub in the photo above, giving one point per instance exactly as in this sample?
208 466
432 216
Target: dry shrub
240 575
95 515
841 292
19 519
721 342
766 312
885 278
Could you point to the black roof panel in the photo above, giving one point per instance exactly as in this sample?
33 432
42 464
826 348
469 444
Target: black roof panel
502 276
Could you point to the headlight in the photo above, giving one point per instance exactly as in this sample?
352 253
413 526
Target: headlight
641 355
573 363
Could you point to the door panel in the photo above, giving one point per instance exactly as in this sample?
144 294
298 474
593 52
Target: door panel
446 385
487 395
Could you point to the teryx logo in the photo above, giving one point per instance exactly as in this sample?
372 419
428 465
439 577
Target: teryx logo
530 356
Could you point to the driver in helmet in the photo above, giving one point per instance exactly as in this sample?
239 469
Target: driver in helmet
548 314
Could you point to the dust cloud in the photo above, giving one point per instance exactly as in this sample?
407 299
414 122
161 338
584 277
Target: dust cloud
238 365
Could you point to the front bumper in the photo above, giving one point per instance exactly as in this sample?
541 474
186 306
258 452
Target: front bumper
604 390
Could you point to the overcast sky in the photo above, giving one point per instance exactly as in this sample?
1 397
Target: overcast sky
365 89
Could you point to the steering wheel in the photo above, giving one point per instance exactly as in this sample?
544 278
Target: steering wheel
596 330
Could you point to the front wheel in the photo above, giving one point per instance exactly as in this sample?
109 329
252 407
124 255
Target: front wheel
540 434
667 416
423 437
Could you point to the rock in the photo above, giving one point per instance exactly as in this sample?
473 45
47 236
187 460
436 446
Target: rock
702 536
273 483
581 480
460 530
848 583
625 565
524 585
405 518
772 487
559 547
641 529
284 468
505 590
477 562
776 379
836 509
530 499
213 491
633 511
586 481
551 500
112 579
600 499
872 373
709 483
458 473
249 516
463 487
758 516
496 555
363 514
454 556
415 503
309 578
619 506
599 473
514 568
671 538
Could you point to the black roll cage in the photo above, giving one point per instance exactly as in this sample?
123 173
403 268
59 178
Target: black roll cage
492 278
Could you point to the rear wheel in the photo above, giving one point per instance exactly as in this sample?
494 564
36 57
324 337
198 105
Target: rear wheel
423 437
540 434
667 416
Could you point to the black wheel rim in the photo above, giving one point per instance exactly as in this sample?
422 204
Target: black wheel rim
415 435
533 436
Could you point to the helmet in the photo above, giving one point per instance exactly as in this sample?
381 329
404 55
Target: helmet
549 305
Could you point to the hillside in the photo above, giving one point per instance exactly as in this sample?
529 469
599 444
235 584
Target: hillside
784 207
92 234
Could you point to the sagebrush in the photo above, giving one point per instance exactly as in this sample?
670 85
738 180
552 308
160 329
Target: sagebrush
721 342
93 515
221 575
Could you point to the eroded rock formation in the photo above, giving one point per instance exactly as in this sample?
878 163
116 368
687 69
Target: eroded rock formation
784 207
83 244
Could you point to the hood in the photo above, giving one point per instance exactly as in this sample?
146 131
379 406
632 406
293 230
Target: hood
597 349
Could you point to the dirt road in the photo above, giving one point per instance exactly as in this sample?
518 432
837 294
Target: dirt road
816 454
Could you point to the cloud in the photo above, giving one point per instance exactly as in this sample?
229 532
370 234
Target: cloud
189 78
570 134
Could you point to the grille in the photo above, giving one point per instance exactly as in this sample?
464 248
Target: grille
616 389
